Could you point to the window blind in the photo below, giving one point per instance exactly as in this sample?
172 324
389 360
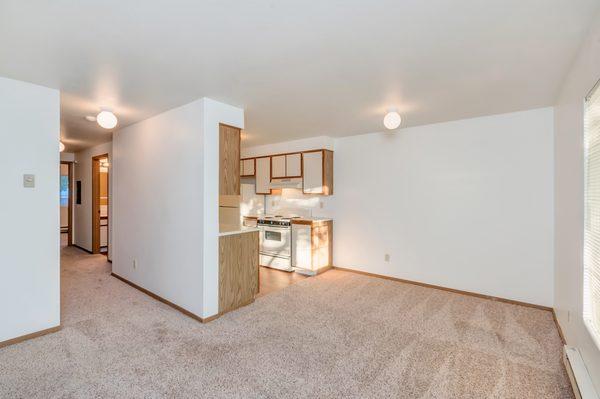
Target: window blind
591 261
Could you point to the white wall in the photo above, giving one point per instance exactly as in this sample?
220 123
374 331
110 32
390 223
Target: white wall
67 157
158 204
569 210
166 203
82 213
465 204
311 143
29 259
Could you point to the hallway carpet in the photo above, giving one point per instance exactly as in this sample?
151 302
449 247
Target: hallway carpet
339 335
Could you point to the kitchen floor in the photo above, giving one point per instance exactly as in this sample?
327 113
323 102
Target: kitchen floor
273 280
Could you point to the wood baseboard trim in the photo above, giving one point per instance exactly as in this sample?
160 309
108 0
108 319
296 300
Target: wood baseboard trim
166 302
560 332
82 248
438 287
26 337
323 270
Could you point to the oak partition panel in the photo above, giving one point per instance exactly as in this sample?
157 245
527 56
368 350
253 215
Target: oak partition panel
229 160
238 270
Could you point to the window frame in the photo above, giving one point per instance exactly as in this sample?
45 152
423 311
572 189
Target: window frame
587 295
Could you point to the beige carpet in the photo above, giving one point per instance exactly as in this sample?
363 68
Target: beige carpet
339 335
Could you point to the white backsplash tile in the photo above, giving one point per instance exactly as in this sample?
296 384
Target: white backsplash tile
290 202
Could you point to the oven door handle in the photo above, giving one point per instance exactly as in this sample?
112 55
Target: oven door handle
274 227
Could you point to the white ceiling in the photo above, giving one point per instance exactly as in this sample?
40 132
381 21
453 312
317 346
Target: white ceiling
299 68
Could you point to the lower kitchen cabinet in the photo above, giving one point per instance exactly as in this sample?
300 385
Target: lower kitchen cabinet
238 270
312 246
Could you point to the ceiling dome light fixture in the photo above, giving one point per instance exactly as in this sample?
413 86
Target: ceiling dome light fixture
106 119
392 119
61 146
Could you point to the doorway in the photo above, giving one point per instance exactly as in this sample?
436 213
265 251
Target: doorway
100 204
66 201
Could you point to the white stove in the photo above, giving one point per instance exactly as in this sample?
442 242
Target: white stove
276 242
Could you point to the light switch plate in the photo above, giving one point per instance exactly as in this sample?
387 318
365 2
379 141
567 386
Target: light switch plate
29 181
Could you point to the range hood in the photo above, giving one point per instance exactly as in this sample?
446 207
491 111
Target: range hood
289 182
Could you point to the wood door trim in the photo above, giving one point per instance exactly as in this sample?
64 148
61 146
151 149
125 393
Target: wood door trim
96 203
70 202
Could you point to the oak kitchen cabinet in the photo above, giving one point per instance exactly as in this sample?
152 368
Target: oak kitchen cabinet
229 160
238 270
317 172
286 165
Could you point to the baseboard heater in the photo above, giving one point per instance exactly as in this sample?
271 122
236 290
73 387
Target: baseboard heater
578 374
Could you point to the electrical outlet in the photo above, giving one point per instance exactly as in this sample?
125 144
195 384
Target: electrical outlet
386 257
321 204
135 263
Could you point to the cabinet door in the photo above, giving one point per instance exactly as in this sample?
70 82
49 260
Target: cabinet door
263 175
301 246
248 167
312 172
278 166
229 160
293 165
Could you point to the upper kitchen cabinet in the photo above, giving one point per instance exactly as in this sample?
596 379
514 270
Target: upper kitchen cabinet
263 175
229 160
286 165
317 172
247 167
278 166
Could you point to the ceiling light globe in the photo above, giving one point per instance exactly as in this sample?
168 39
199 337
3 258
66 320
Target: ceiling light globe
106 119
61 146
392 120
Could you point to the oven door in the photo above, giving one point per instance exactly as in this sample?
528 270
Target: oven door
276 241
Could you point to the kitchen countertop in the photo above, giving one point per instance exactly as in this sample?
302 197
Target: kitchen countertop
298 220
231 229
